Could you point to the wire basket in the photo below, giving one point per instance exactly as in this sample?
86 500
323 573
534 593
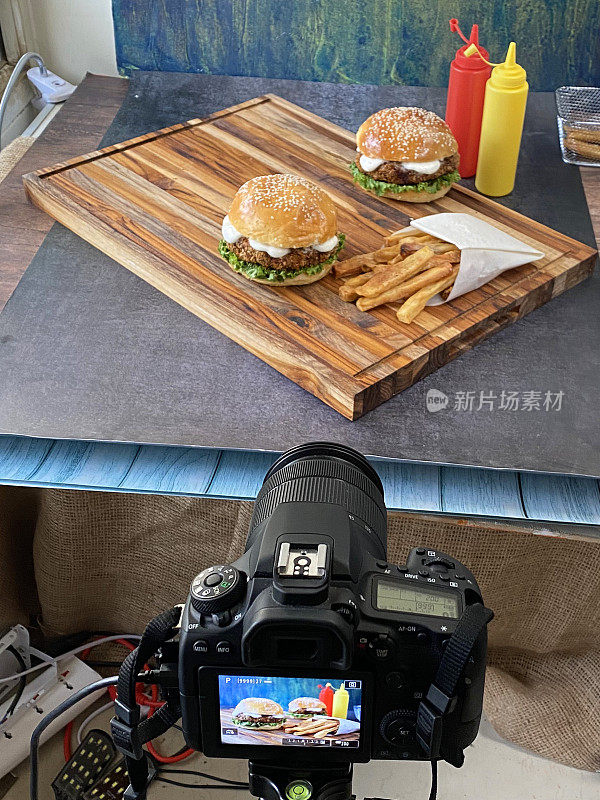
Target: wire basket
579 110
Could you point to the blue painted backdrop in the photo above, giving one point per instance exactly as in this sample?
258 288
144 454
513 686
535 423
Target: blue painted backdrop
356 41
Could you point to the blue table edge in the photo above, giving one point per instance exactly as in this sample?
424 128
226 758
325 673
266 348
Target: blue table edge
467 492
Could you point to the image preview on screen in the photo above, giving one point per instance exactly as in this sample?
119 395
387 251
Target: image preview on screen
290 711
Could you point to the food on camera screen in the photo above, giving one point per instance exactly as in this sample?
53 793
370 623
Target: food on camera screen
306 707
288 711
410 269
258 713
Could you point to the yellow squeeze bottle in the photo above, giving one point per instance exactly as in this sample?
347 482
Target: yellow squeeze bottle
501 125
340 703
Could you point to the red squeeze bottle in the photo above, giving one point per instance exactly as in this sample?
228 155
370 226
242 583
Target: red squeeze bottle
464 106
326 696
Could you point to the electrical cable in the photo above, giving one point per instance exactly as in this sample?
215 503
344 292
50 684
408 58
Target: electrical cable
68 654
153 703
175 758
241 784
434 781
21 686
87 721
199 785
18 68
140 696
67 752
81 694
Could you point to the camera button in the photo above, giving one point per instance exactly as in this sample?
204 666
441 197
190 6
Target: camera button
381 648
444 577
224 648
213 579
382 564
424 573
394 680
221 619
346 611
201 646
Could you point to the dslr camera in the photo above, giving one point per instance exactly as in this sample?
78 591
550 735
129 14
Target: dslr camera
312 651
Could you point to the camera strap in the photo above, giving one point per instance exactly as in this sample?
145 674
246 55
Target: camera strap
441 696
129 732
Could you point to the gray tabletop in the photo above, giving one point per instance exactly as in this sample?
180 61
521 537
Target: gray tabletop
89 351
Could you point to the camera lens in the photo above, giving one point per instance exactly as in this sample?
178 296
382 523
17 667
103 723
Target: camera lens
326 473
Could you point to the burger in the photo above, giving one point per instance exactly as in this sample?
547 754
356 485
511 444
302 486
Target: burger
406 153
306 707
281 230
258 713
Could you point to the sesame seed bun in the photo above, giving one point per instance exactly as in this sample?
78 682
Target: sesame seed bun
406 134
284 211
307 707
258 707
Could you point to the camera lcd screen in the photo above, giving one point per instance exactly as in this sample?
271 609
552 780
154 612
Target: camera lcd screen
290 711
416 600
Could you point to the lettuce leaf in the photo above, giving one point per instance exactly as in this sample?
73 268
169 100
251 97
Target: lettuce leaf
253 270
379 187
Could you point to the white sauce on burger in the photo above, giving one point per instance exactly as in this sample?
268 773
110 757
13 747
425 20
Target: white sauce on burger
274 252
369 164
229 233
231 236
326 246
422 167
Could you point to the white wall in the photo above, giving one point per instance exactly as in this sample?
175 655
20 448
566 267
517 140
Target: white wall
74 36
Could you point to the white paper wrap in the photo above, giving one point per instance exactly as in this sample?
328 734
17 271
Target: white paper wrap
485 250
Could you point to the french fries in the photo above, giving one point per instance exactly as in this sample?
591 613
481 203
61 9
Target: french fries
410 269
397 273
415 304
315 727
353 266
408 234
443 247
406 289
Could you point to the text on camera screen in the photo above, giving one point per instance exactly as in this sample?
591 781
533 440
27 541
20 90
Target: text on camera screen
290 711
416 600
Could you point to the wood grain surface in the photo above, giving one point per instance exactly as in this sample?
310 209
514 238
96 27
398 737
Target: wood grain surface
155 204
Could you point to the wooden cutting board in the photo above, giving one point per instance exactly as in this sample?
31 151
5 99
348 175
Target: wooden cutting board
155 205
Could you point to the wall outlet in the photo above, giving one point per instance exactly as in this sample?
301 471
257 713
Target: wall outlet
52 87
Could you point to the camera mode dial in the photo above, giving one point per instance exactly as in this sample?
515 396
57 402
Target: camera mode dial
216 589
398 726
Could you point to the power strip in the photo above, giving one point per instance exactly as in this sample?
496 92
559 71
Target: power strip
40 696
17 637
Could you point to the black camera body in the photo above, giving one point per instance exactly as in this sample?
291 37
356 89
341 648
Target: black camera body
314 604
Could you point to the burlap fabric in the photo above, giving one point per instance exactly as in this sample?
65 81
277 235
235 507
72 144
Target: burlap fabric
18 511
110 562
13 153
